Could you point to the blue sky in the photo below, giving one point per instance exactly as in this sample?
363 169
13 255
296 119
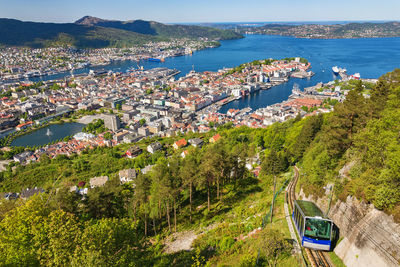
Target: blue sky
170 11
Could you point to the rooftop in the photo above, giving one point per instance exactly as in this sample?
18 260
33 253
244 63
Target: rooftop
310 209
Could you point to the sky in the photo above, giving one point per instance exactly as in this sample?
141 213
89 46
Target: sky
186 11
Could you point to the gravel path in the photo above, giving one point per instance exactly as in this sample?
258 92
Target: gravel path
180 241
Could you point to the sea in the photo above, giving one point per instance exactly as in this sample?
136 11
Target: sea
371 57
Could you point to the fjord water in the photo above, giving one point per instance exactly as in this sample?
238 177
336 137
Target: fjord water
371 57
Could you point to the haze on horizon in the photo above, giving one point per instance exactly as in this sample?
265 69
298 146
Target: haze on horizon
189 11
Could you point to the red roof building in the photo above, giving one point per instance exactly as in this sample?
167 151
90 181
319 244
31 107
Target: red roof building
180 143
215 138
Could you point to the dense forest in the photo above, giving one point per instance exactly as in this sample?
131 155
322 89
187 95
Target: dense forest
210 188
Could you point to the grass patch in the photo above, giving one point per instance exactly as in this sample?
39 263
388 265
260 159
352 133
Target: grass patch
336 260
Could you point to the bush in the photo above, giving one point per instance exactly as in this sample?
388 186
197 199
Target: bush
226 243
248 260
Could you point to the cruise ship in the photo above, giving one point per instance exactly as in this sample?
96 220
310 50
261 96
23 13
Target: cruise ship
335 70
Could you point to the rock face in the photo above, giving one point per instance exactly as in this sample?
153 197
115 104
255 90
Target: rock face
370 237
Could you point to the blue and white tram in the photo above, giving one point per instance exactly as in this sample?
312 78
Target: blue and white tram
314 229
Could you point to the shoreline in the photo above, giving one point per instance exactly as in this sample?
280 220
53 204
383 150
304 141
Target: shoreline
102 64
323 38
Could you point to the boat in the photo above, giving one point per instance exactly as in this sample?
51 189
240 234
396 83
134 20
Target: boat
152 59
48 133
356 76
296 92
335 70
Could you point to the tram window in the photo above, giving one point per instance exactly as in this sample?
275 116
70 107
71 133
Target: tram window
300 222
316 228
301 225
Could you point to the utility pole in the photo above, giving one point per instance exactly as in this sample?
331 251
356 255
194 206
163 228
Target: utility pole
330 199
273 199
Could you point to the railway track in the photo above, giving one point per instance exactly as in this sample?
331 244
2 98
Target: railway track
317 258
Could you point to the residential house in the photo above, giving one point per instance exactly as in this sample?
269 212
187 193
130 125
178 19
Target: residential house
24 125
22 157
196 142
180 143
118 137
130 138
147 169
127 175
29 192
78 190
215 138
154 147
133 152
98 181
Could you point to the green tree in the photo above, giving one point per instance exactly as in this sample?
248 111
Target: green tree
274 246
161 187
348 118
311 127
18 240
142 197
108 136
274 163
109 242
105 202
188 173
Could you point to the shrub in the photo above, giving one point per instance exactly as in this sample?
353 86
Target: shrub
226 243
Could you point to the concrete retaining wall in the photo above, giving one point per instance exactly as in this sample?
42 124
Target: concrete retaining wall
370 237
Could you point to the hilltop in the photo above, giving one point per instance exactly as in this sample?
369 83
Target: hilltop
90 32
336 31
159 29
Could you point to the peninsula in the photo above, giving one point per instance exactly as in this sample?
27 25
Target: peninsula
335 31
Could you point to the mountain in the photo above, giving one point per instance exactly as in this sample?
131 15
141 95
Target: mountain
90 32
159 29
33 34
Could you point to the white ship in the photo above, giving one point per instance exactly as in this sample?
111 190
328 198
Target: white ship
335 70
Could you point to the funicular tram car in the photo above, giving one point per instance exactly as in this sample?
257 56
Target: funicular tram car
314 229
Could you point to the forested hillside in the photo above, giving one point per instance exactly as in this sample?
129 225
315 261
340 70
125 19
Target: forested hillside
362 135
160 29
34 34
210 186
209 189
100 33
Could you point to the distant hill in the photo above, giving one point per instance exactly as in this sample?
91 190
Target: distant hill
33 34
159 29
336 31
90 32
